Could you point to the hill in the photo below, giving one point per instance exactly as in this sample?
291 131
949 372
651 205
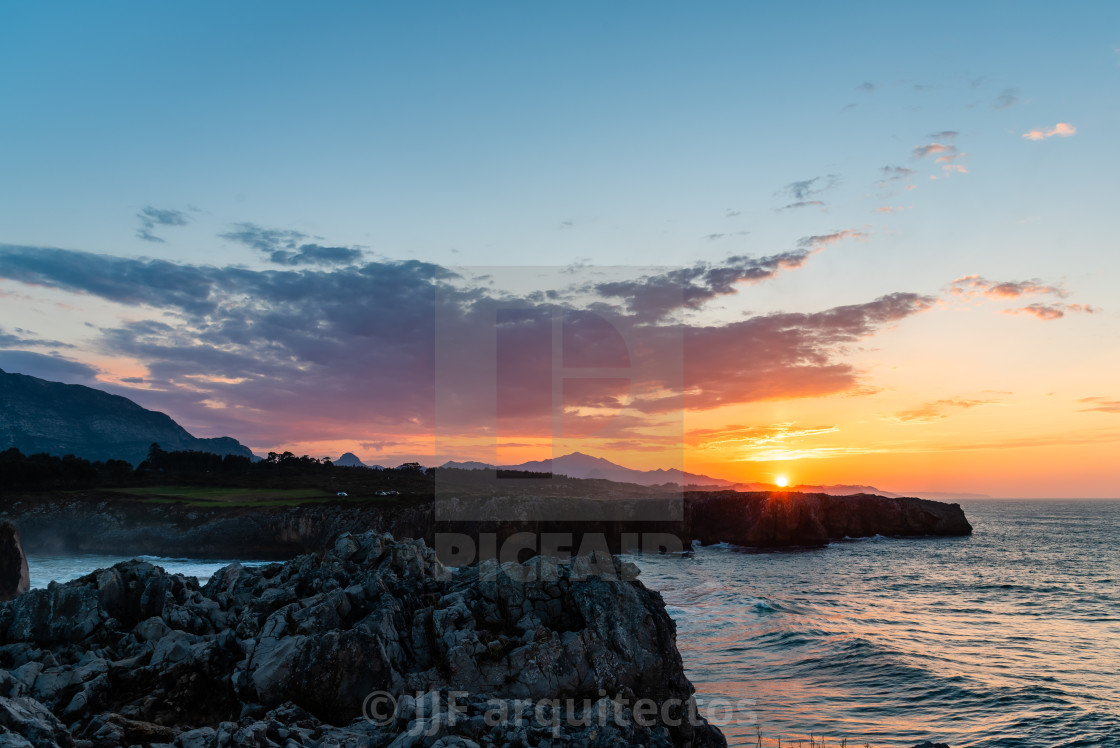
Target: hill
580 465
61 419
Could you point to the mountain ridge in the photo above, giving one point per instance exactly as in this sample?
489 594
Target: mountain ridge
37 415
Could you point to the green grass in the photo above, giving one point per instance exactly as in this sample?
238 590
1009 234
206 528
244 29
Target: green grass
211 495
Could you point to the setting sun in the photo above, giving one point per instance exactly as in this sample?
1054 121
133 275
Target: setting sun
781 481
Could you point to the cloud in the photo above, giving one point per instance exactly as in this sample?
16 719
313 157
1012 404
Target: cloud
806 188
151 217
802 204
866 87
1051 311
975 285
938 409
893 174
51 368
654 297
978 287
1062 130
287 247
20 339
947 154
1100 405
349 353
1008 97
893 209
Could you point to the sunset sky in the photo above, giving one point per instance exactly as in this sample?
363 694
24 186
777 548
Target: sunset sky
845 243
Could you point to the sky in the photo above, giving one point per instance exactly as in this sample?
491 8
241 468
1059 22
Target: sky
840 243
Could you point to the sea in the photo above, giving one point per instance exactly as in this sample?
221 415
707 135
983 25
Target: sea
1009 637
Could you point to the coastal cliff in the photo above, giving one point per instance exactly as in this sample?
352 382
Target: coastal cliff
92 523
373 643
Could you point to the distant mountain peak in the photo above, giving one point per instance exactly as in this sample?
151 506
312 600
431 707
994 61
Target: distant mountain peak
350 460
582 465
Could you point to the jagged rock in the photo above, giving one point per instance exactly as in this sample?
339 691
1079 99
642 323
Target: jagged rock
14 578
289 654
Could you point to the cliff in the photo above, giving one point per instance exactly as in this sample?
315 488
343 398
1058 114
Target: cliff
97 523
61 419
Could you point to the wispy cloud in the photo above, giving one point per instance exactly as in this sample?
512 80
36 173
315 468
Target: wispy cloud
287 247
937 409
1100 405
1061 130
1051 311
1008 97
948 155
806 188
975 285
151 217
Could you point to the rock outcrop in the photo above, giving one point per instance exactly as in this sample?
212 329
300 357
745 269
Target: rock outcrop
14 578
373 643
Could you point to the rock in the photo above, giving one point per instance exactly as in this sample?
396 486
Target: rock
14 577
290 654
34 722
931 744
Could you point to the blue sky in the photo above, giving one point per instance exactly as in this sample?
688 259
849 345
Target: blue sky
616 134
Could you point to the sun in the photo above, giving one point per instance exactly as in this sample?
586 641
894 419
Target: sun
781 481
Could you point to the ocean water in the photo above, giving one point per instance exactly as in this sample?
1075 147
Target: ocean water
46 569
1010 637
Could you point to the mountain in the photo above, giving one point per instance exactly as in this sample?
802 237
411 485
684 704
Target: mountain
61 419
349 460
579 465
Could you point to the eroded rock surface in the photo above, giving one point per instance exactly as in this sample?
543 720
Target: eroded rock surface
300 653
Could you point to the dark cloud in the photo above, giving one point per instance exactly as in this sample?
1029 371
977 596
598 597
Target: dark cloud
944 135
654 297
315 254
316 353
866 87
20 338
151 217
51 368
287 247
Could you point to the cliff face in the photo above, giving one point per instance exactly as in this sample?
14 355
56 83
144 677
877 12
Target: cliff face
89 524
773 520
60 419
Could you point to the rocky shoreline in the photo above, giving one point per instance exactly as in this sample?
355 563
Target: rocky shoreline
290 654
95 523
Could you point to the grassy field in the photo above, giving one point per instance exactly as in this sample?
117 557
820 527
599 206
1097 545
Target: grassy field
223 496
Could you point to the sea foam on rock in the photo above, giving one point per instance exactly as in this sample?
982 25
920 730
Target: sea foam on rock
295 654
